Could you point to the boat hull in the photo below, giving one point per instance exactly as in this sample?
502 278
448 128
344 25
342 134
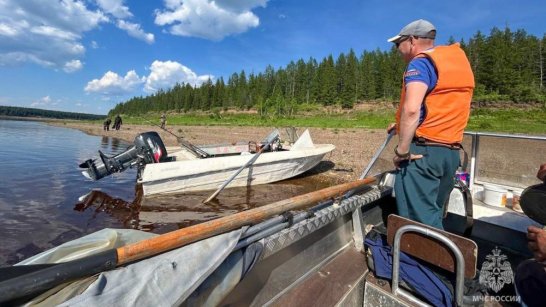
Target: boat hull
209 174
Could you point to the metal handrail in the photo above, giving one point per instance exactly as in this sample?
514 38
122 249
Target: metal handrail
503 135
459 284
474 157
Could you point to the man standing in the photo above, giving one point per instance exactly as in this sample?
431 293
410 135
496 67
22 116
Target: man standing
117 122
434 110
163 120
107 124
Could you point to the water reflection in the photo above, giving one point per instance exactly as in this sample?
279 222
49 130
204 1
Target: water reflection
164 213
113 144
124 211
116 144
104 141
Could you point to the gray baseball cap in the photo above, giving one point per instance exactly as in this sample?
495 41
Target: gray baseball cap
419 28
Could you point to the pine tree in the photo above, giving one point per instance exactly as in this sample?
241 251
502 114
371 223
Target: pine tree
349 95
327 81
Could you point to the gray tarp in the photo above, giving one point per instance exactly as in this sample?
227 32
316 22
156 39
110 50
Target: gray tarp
164 280
220 283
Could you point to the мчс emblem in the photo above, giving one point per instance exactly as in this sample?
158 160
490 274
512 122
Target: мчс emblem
496 271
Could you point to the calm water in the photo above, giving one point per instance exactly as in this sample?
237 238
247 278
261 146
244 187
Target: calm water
40 184
41 187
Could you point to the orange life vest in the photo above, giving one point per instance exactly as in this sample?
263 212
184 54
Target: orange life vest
448 104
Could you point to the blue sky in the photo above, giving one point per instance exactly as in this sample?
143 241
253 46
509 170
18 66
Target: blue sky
88 55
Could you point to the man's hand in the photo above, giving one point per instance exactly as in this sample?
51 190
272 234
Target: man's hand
537 242
391 127
541 174
397 160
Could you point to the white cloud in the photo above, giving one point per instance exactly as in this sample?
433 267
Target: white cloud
207 18
94 44
164 75
48 31
7 30
44 102
72 66
112 84
121 12
50 34
240 5
135 31
47 35
115 7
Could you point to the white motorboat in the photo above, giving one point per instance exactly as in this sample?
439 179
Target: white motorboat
191 168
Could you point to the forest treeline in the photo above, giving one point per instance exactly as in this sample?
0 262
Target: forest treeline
32 112
509 67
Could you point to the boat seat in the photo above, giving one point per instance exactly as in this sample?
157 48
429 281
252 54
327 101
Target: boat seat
430 250
442 249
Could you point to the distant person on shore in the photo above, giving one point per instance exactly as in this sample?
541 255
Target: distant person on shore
107 123
117 122
530 277
434 109
163 120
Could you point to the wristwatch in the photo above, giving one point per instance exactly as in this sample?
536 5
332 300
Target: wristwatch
404 156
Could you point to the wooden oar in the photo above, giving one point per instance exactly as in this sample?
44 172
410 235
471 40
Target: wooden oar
269 140
50 277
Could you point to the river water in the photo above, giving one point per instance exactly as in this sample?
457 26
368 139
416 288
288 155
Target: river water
45 201
40 183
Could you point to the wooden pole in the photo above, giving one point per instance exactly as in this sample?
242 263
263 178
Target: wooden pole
204 230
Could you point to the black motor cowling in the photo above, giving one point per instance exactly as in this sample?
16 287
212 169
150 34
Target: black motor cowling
148 148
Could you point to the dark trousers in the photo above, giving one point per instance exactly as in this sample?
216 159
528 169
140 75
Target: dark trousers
422 186
531 283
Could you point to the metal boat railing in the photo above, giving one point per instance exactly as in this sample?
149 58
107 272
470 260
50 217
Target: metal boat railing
460 267
503 177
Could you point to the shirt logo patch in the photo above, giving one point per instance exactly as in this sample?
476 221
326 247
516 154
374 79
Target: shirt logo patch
412 72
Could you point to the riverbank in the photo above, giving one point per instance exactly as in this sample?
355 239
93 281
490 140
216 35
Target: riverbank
354 147
507 118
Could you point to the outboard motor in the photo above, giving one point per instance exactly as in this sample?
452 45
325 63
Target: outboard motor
148 148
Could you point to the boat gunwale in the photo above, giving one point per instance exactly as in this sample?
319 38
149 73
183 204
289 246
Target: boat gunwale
266 158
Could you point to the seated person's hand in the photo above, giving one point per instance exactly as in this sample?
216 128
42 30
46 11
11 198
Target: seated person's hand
541 174
537 242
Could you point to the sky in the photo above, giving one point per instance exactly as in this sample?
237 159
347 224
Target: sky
89 55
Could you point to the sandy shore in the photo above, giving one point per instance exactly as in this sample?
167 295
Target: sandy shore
354 147
500 159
